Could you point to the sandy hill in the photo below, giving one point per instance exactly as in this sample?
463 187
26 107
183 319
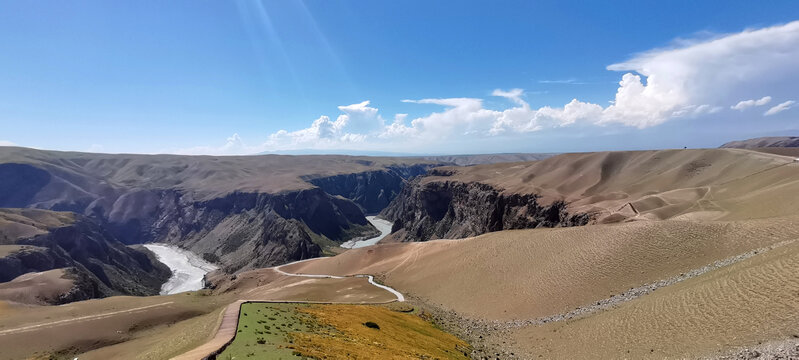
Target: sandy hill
762 142
607 186
708 274
711 270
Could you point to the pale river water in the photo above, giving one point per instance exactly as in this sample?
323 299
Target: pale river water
188 269
383 225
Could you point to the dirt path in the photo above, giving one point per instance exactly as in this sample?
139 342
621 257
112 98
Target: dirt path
82 318
371 278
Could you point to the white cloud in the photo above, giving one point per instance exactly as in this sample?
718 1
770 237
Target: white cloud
779 108
7 143
95 148
745 104
666 82
563 81
513 94
690 80
233 145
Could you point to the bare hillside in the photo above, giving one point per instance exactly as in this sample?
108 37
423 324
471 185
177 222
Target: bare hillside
606 186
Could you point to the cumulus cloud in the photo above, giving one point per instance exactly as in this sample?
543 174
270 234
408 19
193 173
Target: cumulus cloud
689 80
745 104
779 108
233 145
664 82
357 122
7 143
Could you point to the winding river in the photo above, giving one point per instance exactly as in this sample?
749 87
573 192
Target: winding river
383 225
188 269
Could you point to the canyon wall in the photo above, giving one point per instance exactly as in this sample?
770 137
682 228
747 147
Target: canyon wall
451 209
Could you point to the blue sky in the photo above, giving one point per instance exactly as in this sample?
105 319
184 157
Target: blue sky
240 77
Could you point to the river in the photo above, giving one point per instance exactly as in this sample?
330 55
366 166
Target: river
383 225
188 269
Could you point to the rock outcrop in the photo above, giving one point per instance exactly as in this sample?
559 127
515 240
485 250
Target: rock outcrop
98 263
450 209
371 190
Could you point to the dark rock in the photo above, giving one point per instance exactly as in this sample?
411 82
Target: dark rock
446 209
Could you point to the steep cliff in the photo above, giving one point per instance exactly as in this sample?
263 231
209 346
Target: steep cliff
238 211
451 209
97 263
371 190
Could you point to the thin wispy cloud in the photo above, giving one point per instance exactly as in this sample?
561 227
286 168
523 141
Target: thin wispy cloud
779 108
563 81
745 104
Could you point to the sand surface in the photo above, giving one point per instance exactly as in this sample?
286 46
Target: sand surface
540 272
188 269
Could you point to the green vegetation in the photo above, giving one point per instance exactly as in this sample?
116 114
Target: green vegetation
303 331
263 332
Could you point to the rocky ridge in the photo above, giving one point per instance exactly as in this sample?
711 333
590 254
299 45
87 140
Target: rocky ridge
97 263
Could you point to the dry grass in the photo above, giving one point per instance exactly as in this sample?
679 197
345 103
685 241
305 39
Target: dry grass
400 335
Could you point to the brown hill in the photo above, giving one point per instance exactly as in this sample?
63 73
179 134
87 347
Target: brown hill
607 186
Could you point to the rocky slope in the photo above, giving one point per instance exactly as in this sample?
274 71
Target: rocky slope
97 263
371 190
239 211
452 209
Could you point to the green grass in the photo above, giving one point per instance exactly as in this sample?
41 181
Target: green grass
263 332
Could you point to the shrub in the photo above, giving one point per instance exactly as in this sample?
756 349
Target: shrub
371 325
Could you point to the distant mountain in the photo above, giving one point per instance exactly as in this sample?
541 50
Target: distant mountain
339 152
762 142
460 160
478 159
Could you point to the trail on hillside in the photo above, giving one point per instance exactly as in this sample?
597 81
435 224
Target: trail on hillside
371 278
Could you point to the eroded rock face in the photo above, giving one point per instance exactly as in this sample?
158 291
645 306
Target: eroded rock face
449 209
371 190
98 264
239 230
240 212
